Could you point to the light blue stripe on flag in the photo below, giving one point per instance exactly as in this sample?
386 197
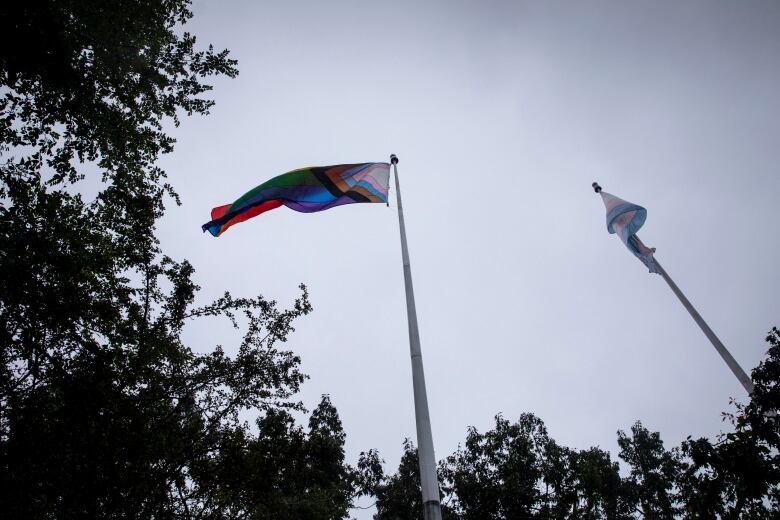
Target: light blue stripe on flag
625 219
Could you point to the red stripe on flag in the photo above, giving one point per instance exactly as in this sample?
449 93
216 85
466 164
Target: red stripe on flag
219 211
251 212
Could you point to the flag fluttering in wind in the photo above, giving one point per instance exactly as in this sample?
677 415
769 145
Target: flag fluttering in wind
306 190
625 219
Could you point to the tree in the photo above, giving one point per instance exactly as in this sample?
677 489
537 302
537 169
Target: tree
739 476
560 495
516 470
400 495
653 471
599 485
104 411
285 472
495 474
95 81
329 483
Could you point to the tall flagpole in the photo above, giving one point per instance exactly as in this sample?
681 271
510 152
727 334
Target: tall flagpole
425 455
722 350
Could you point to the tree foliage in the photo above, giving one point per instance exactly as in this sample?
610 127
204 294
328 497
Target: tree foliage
517 471
96 81
494 475
105 412
652 474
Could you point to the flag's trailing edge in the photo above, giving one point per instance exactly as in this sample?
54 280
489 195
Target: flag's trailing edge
306 190
625 219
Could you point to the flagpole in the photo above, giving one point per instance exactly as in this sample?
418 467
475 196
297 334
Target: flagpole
722 350
425 454
651 261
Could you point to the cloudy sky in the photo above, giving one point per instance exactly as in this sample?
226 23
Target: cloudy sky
502 113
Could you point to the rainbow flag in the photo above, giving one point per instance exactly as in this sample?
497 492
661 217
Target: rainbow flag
306 190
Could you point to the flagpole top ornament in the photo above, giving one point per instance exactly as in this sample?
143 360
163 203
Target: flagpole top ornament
596 187
393 159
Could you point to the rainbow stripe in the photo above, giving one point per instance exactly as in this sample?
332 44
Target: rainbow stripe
306 190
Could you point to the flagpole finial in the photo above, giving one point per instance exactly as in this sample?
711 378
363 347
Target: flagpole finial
596 187
393 159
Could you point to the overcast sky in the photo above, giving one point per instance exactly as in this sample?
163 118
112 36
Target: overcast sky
502 114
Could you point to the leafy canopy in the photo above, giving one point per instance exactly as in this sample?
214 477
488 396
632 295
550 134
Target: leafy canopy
105 412
517 471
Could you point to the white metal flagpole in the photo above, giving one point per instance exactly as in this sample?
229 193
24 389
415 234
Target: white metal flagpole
425 454
722 350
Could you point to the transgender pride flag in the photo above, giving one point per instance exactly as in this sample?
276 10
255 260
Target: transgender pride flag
625 219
